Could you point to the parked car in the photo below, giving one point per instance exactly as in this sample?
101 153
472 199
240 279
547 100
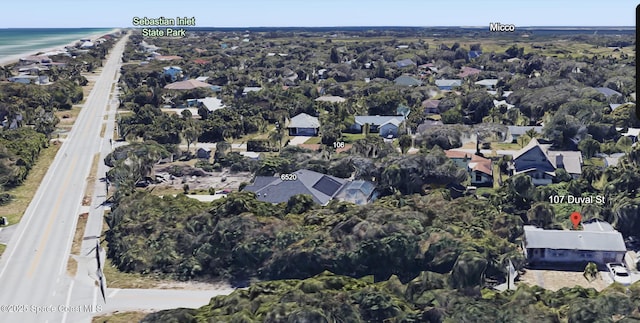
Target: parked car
619 273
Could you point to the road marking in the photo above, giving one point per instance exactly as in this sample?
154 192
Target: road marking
29 212
52 218
95 298
113 293
64 314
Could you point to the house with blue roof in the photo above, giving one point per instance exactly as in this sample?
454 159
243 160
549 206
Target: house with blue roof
474 54
174 72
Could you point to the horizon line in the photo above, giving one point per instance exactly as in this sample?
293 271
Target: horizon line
345 26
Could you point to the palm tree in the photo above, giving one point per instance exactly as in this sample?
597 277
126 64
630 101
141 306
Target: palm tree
591 173
590 272
277 135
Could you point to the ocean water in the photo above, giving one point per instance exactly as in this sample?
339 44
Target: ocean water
16 41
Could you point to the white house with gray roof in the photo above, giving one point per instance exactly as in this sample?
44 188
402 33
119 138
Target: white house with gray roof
447 85
304 125
598 242
386 126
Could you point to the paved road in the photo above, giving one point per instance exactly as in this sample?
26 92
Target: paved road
157 300
33 267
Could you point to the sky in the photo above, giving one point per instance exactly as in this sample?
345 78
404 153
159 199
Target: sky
316 13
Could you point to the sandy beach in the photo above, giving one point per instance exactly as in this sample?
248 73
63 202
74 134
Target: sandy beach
8 60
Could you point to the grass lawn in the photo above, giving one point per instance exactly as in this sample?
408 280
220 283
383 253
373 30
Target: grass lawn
67 117
505 146
24 193
72 265
91 180
349 138
162 191
125 317
2 248
313 140
484 190
599 162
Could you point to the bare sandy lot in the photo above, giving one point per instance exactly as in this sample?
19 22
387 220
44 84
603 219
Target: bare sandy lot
555 280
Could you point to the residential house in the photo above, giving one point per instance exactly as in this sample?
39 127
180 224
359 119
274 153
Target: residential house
322 188
607 91
428 124
405 80
211 103
466 71
251 155
304 125
480 169
34 59
540 163
504 103
514 132
166 58
598 242
249 89
331 99
448 85
186 85
358 192
386 126
174 72
632 133
87 44
30 79
474 54
613 159
203 153
12 123
490 84
405 63
431 106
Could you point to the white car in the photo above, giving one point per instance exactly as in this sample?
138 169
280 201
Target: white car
619 273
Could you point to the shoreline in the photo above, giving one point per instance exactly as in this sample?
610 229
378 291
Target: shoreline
13 59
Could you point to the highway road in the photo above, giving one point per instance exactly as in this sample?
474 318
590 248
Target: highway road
34 284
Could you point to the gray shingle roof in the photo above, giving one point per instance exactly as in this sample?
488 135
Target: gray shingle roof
448 82
321 187
304 120
405 80
379 120
607 91
573 239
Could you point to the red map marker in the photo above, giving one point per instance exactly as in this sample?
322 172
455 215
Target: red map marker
575 219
